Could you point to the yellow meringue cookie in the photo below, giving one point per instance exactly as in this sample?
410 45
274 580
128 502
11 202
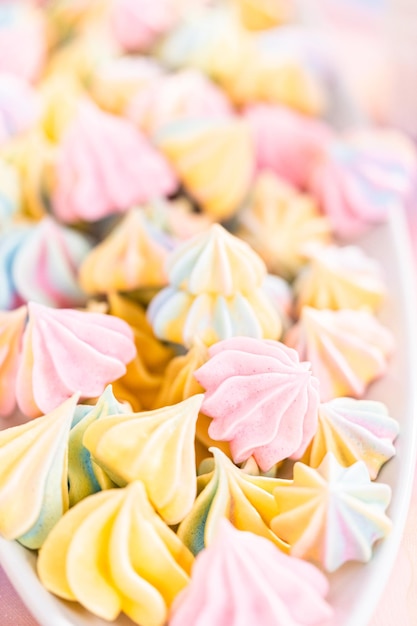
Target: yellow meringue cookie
229 492
60 95
33 475
12 324
263 14
340 278
156 447
131 257
144 374
282 225
213 157
112 553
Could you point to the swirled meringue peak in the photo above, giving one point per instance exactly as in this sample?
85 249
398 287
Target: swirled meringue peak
340 278
282 225
104 166
354 430
84 476
215 292
286 142
45 266
137 24
112 553
156 447
66 351
262 399
12 324
347 349
213 158
255 583
33 463
229 492
131 257
332 514
360 177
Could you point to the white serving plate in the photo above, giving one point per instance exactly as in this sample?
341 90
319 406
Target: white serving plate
355 588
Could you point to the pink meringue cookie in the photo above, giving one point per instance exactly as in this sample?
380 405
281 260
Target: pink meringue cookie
104 166
286 142
262 399
361 176
137 24
22 39
242 579
19 105
188 93
12 324
65 351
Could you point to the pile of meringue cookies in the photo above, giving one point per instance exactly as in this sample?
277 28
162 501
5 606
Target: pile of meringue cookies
187 327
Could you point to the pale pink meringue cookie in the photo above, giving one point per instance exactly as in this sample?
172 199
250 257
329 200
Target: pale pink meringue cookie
242 579
361 177
187 93
104 166
286 142
66 351
262 399
23 45
19 105
137 24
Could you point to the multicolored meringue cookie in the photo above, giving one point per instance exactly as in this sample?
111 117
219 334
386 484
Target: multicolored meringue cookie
213 158
184 94
137 24
262 399
281 296
332 514
136 446
112 553
104 166
132 256
229 492
354 430
255 583
144 375
10 193
34 459
45 266
11 240
282 225
66 351
286 142
361 176
19 107
340 278
22 39
347 349
12 324
215 292
84 476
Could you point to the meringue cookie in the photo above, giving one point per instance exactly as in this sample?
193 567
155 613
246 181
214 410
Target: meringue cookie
136 446
216 294
229 492
255 584
19 107
286 142
45 265
263 14
11 240
185 94
10 193
131 257
332 514
112 553
354 430
104 166
144 374
137 24
347 349
213 157
262 400
361 176
33 464
12 324
282 225
66 351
